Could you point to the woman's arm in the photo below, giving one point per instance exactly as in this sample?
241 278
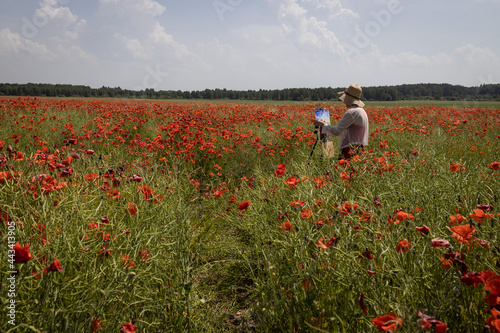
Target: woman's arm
344 123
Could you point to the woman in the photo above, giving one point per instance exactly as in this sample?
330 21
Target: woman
353 128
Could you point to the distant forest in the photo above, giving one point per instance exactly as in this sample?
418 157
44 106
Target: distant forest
422 91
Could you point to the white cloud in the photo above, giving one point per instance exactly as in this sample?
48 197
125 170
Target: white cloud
290 8
221 56
79 28
165 41
240 68
60 16
404 59
260 34
134 46
13 44
466 64
335 8
130 7
307 31
73 54
52 24
473 54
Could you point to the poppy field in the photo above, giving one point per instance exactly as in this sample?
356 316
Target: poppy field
161 216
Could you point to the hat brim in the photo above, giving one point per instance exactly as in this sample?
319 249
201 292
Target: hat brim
348 100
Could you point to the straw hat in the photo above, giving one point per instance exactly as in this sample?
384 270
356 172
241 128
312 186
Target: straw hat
352 95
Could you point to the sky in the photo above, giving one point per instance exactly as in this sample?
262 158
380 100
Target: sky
249 44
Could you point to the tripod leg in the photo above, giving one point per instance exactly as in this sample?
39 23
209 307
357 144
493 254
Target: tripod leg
312 151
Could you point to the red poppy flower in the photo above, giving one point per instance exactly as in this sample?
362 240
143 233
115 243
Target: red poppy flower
472 278
320 182
456 219
306 213
292 181
401 216
90 177
126 262
323 246
319 203
286 226
424 230
457 167
494 166
454 258
480 216
132 208
104 252
22 253
244 205
484 207
280 170
365 216
297 203
135 178
487 275
6 175
463 233
144 253
346 176
67 161
446 263
128 328
493 322
344 163
114 194
347 208
387 323
96 324
147 191
426 322
66 172
55 266
19 156
403 246
439 242
492 287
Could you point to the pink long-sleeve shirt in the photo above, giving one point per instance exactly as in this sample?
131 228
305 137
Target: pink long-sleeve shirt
352 129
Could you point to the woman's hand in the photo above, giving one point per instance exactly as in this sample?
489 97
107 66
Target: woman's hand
319 123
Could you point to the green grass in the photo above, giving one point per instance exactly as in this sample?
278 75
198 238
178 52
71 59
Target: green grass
403 103
190 260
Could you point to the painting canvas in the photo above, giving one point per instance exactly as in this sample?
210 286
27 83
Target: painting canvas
326 142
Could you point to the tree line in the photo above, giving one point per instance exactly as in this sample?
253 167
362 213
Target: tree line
422 91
